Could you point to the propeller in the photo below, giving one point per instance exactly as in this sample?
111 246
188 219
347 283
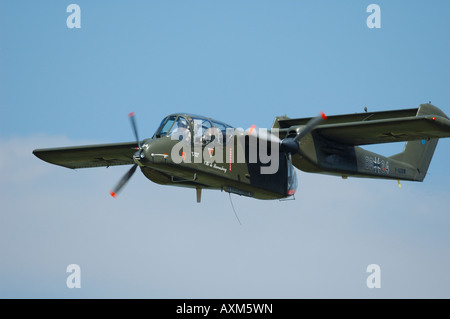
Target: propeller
131 171
133 124
123 181
290 144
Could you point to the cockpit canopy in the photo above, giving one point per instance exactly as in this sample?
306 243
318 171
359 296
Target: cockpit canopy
196 125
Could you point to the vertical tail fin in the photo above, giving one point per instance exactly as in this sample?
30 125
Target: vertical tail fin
419 153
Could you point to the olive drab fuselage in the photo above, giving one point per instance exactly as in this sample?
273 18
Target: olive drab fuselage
215 156
199 152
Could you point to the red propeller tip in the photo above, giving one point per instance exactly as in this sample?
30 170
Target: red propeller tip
131 114
323 115
113 194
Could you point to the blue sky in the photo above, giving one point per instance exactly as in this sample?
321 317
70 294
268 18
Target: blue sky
242 62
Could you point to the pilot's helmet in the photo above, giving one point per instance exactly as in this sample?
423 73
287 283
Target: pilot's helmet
182 122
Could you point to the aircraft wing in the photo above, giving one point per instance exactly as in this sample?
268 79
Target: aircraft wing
377 127
387 131
89 155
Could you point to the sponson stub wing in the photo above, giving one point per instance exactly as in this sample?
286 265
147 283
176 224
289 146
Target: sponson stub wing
424 122
90 155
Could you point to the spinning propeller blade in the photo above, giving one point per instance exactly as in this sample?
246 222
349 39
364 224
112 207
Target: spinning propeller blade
123 181
133 124
131 171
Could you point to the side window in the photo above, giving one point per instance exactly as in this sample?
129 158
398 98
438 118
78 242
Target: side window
220 126
180 130
180 125
223 131
201 131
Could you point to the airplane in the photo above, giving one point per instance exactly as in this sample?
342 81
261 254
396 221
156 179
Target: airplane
199 152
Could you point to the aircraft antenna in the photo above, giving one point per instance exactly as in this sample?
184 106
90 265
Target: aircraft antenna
235 214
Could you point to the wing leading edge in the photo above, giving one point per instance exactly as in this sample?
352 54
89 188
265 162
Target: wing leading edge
89 155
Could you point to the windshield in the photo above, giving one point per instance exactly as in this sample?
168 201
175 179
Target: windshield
165 126
199 126
169 126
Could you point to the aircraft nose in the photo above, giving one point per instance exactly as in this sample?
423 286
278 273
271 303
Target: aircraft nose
145 150
140 155
152 152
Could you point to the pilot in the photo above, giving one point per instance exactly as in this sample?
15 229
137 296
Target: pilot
212 134
181 130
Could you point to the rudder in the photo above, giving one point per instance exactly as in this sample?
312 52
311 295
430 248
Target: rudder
419 153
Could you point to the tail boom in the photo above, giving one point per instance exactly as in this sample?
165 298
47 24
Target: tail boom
324 154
